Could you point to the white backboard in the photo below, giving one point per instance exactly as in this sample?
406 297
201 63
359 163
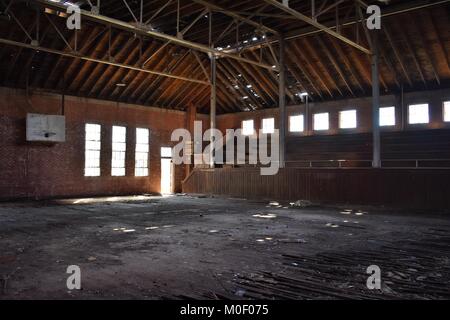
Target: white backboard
43 127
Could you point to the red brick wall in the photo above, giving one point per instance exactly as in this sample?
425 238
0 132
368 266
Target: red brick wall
38 170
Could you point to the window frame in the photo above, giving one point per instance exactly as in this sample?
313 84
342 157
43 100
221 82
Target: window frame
395 117
446 105
115 152
272 127
253 126
314 122
409 114
346 111
163 155
99 150
302 123
146 153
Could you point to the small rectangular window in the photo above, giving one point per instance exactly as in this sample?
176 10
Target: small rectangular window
268 125
347 119
447 111
321 121
387 116
296 123
92 150
166 152
119 146
141 154
418 113
248 128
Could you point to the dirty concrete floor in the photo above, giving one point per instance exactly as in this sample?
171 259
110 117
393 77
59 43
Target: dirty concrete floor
218 248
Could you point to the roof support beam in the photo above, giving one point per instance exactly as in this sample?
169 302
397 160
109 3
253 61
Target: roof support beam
76 56
158 11
316 24
149 33
235 16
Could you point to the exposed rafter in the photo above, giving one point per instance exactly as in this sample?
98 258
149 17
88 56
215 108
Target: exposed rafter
236 16
137 29
73 55
317 25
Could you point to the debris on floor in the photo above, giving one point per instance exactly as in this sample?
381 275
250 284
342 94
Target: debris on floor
217 248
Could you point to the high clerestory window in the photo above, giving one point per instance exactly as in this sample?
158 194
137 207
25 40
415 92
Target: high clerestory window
248 127
296 123
447 111
387 116
418 113
321 121
268 125
347 119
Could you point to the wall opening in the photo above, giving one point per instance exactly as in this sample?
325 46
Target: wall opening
167 177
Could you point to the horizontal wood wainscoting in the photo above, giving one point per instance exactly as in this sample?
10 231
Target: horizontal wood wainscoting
410 188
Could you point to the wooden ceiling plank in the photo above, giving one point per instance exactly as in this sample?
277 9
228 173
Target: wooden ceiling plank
272 87
354 73
292 56
419 36
251 80
336 65
397 55
307 59
119 74
157 84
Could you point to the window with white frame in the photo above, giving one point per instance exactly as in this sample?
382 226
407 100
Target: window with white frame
447 111
268 125
119 147
347 119
248 128
141 153
387 116
92 150
166 152
321 121
418 113
296 123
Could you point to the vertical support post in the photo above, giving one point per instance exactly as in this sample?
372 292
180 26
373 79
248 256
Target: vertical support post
282 101
338 27
376 161
178 19
306 117
76 41
191 115
38 16
213 109
141 12
213 95
109 43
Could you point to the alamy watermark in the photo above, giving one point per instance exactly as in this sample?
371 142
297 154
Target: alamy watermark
263 149
374 280
74 280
